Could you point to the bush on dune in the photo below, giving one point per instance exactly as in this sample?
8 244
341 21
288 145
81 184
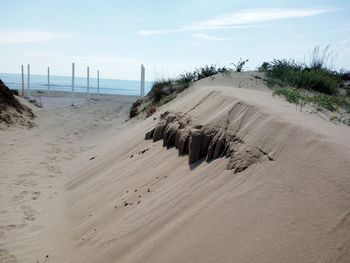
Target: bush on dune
165 90
165 87
294 74
161 88
320 102
316 76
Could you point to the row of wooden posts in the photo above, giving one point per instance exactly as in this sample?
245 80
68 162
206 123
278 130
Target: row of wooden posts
48 81
142 87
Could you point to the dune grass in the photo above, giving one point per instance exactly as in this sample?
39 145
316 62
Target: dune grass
163 88
339 104
288 72
166 99
314 84
316 76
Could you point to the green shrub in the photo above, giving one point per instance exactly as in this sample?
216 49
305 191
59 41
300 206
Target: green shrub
290 94
224 70
181 85
166 99
187 77
289 72
319 59
160 89
324 102
238 67
320 102
205 72
264 67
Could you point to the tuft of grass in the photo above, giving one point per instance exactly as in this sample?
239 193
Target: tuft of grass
320 59
165 90
288 72
238 67
186 78
333 103
291 95
161 88
166 99
208 71
323 101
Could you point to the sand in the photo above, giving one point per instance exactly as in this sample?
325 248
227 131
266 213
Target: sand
85 186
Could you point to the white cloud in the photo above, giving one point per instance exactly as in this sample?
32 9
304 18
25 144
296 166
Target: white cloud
209 37
27 36
240 19
153 32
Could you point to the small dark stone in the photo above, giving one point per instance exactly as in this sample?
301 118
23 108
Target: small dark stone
47 256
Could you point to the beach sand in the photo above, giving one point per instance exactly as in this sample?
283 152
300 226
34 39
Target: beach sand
34 164
85 186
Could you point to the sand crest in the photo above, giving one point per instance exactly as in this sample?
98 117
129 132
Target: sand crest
105 194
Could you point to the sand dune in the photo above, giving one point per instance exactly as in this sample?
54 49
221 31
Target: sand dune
122 198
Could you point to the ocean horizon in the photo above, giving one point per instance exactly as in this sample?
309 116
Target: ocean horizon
64 83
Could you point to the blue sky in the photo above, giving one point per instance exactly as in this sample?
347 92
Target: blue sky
168 37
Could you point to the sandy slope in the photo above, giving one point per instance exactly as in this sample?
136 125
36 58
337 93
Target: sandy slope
140 202
33 167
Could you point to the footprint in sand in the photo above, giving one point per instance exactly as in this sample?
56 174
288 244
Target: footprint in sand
55 150
54 169
6 257
19 197
69 156
25 182
52 158
35 195
11 227
26 175
28 212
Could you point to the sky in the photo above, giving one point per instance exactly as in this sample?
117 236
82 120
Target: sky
168 37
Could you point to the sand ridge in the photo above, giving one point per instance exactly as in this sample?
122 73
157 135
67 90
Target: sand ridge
128 199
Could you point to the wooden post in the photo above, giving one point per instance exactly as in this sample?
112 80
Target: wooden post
73 83
48 80
28 84
142 88
98 82
88 82
22 68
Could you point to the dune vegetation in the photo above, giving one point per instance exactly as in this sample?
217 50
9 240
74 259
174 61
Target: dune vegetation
165 89
314 84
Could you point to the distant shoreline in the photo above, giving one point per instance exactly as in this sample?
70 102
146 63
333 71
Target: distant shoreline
59 99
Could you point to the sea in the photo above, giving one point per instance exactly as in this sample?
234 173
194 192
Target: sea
63 83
